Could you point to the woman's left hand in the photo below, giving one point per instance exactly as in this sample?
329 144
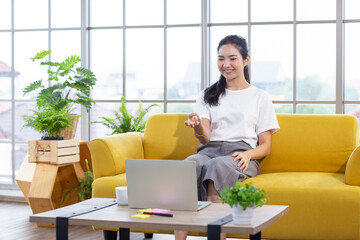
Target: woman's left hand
243 159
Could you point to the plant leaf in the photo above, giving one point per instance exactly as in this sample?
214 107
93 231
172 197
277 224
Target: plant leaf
33 86
41 55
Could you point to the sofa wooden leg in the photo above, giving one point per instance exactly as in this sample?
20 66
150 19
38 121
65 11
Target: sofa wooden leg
148 235
110 235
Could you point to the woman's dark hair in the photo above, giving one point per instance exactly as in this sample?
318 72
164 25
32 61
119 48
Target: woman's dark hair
213 92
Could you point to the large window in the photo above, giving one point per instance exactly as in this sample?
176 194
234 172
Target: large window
304 53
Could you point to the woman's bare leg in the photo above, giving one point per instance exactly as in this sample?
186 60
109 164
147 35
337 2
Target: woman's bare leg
214 197
180 235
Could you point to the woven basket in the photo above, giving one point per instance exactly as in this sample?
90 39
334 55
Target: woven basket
70 133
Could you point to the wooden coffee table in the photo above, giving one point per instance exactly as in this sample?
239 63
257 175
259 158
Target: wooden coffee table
105 212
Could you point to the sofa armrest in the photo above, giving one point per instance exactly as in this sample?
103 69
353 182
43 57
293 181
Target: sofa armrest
108 153
352 171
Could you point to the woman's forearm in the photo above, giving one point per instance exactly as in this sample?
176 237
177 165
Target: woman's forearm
264 147
201 134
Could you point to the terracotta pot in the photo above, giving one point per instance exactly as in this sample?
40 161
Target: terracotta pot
70 133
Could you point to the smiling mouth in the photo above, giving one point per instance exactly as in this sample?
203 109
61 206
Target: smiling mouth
228 71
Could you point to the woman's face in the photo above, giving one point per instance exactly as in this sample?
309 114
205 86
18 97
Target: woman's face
230 62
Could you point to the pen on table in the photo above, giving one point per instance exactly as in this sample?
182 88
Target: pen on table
159 214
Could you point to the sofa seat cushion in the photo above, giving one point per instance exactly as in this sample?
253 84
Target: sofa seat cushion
105 187
324 194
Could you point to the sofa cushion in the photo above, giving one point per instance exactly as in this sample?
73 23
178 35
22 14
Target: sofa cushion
313 198
312 143
167 137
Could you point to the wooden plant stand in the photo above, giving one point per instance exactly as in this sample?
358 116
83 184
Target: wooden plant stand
45 183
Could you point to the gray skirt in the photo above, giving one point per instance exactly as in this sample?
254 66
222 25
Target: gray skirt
214 162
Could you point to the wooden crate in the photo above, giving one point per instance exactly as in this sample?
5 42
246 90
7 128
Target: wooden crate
54 152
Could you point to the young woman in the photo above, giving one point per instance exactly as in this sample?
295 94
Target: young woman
233 120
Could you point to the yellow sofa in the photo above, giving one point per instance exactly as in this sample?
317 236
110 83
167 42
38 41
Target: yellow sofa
314 167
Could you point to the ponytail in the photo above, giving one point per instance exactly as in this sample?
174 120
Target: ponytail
212 93
246 73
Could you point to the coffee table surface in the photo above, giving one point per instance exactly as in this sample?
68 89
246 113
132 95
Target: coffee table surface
120 216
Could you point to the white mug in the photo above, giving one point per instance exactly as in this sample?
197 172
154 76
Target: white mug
121 195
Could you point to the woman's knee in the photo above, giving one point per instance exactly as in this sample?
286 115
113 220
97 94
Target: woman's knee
219 161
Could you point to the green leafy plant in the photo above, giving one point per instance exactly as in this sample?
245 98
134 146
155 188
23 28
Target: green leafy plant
70 85
243 196
124 121
84 186
49 121
67 85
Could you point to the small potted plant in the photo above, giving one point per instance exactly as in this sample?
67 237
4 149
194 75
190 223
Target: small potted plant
124 121
50 122
243 201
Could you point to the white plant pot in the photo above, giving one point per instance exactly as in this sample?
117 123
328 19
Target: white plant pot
242 217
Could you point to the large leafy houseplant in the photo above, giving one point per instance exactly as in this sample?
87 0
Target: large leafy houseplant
70 84
243 196
66 85
125 122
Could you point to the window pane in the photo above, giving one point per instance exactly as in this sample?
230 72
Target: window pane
5 66
316 108
145 64
316 10
20 153
316 62
65 44
283 108
180 107
23 134
29 71
177 9
6 123
352 9
184 67
107 63
6 166
5 14
352 53
216 34
106 13
272 60
220 12
281 10
31 14
69 7
144 12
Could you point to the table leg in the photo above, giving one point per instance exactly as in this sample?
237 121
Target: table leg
214 228
124 233
62 228
256 236
213 232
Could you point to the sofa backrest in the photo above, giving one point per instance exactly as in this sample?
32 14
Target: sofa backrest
312 143
306 143
167 137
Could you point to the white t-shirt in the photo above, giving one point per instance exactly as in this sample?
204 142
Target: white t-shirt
240 115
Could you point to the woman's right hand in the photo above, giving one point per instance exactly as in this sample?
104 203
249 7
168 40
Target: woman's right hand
193 120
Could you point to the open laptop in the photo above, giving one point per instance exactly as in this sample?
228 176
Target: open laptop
166 184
